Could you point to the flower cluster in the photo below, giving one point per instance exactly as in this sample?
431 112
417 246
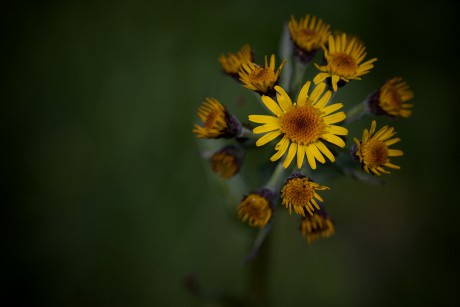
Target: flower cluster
305 125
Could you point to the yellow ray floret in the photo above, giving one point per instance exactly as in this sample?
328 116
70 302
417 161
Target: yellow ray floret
373 150
304 126
344 60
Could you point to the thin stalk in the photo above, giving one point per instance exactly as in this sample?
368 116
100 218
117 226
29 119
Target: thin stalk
246 133
273 182
356 113
297 79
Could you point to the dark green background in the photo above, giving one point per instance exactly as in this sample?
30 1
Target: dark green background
107 203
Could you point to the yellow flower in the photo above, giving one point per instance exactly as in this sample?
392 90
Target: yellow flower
226 162
373 151
299 192
319 225
304 125
257 207
308 35
391 99
343 61
232 63
261 79
217 122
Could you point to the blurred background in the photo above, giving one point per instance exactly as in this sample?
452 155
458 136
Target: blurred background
107 202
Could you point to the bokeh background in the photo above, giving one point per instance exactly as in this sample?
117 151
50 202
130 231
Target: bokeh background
107 202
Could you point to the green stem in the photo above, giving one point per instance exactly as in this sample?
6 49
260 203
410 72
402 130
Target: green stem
259 272
297 79
356 113
273 182
246 133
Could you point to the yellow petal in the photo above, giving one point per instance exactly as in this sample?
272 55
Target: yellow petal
335 118
310 157
325 150
318 156
395 153
266 128
272 106
338 130
283 99
303 95
334 140
263 119
282 146
267 138
290 156
319 89
300 155
324 100
332 108
334 81
320 77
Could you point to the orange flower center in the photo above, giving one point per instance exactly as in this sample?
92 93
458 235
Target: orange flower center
298 192
224 164
262 76
375 153
302 124
342 64
211 119
307 35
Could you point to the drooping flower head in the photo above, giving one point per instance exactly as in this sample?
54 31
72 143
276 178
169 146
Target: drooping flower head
308 35
217 121
304 125
299 192
261 79
232 62
391 99
344 61
318 225
227 161
373 150
256 207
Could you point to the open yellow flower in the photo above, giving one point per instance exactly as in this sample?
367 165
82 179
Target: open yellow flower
344 61
308 34
304 125
299 192
261 79
391 99
319 225
256 207
232 63
373 151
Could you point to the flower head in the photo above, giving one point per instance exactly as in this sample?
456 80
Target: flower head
257 207
261 79
344 57
226 162
373 151
391 99
304 125
318 225
308 35
232 63
299 192
217 121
